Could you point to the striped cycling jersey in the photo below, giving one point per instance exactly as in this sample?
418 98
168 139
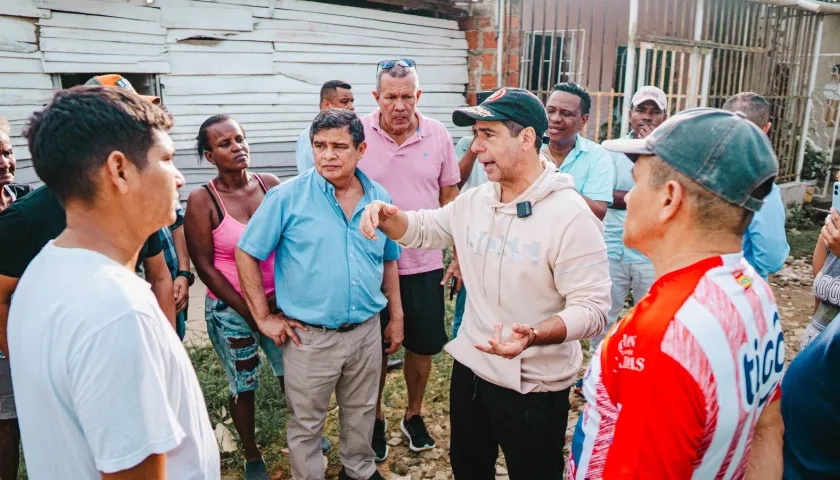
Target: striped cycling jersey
678 384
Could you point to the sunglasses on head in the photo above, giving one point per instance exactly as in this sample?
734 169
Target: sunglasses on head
389 64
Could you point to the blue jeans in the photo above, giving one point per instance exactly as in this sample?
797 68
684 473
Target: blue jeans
226 327
460 304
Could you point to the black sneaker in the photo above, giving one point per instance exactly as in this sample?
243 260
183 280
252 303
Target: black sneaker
418 437
380 446
342 475
394 364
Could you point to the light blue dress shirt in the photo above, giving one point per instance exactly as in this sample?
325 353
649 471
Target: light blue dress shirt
326 273
304 155
765 242
614 219
592 169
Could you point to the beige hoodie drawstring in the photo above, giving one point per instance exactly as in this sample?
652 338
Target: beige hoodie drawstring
501 259
484 256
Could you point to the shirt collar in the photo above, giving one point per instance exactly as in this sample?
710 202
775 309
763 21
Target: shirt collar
581 146
329 189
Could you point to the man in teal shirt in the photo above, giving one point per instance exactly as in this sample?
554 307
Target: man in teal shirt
630 271
586 161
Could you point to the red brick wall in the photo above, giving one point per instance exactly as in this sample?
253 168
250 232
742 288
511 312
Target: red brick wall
482 44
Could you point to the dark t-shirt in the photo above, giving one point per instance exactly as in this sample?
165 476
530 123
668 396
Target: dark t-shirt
811 409
31 222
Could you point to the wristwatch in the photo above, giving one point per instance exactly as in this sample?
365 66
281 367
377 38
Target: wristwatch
188 275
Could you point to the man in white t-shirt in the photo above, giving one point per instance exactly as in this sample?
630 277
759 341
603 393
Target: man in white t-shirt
103 386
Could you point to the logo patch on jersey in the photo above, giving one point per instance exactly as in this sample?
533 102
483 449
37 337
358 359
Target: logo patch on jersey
761 365
744 280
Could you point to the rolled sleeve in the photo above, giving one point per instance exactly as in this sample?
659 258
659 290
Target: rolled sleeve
601 177
179 218
263 232
450 174
392 250
582 277
429 229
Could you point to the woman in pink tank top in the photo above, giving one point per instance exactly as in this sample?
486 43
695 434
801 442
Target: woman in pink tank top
215 219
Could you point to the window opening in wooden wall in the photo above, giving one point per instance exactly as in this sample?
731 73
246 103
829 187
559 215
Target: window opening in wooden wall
143 83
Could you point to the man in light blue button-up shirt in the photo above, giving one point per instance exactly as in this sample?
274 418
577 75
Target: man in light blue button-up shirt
765 242
586 161
331 285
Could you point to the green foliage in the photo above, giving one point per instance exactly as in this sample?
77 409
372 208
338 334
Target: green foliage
816 164
604 129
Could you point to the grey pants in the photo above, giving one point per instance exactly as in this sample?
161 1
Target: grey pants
625 277
349 364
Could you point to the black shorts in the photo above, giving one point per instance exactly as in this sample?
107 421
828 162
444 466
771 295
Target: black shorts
424 312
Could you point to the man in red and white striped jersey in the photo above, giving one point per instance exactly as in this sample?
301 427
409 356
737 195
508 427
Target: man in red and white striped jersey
678 384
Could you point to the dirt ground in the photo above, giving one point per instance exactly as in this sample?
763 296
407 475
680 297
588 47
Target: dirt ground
792 287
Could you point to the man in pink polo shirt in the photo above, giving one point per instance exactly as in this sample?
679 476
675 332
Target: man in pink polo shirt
413 157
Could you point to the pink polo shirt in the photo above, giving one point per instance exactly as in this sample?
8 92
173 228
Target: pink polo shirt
413 174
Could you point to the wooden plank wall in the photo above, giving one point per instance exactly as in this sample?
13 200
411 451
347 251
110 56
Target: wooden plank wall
239 57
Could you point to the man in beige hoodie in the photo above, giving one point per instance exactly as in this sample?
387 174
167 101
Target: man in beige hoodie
533 257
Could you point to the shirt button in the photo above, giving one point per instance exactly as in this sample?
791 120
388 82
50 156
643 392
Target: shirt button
351 255
352 308
354 282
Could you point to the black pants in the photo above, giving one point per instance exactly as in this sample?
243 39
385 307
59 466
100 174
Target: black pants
530 429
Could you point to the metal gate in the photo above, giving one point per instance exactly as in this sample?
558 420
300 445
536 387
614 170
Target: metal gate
699 52
683 72
825 118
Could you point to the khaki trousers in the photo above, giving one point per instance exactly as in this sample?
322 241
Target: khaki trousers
349 364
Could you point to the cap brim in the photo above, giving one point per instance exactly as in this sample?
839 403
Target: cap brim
658 103
628 145
465 117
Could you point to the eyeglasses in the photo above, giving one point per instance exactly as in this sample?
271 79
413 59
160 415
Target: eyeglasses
389 64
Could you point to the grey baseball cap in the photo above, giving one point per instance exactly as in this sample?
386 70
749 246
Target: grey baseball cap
722 151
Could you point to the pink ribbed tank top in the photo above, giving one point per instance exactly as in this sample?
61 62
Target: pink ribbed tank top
225 238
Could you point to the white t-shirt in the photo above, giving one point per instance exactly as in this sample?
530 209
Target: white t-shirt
101 380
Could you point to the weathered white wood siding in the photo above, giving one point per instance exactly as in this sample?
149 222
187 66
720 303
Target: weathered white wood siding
239 57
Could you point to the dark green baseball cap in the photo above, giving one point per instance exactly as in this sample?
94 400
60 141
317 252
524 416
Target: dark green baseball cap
722 151
517 104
